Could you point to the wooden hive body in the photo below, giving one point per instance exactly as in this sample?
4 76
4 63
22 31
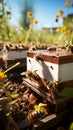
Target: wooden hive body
14 54
53 65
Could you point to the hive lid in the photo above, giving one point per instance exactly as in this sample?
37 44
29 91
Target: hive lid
59 56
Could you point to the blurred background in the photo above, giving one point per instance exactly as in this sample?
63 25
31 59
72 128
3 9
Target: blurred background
53 26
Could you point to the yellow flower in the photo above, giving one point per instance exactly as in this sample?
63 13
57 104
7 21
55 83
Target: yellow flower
30 15
54 39
35 21
65 32
2 76
68 31
20 39
41 107
58 30
64 28
60 12
71 126
67 4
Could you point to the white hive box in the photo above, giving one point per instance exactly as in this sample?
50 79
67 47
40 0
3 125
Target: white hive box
12 55
55 65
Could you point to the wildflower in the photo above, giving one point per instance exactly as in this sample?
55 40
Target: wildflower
64 28
41 107
35 21
20 39
68 31
30 15
65 32
58 30
60 12
71 126
54 39
67 4
2 76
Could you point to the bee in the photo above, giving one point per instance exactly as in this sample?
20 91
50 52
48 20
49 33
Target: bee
52 48
32 48
38 57
7 47
52 87
34 115
33 76
70 48
56 18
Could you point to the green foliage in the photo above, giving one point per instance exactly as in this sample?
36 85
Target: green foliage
45 37
68 21
67 92
10 33
7 32
71 126
33 36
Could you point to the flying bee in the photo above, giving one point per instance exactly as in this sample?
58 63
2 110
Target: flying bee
56 18
34 116
38 57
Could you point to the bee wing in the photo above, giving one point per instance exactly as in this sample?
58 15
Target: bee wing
42 105
23 73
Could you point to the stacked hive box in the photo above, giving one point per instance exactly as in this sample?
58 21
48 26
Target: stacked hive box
12 54
54 65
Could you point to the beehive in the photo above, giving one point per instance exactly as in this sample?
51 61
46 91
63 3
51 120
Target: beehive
54 65
13 54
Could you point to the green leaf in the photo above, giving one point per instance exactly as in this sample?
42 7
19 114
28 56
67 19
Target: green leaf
14 95
67 92
71 126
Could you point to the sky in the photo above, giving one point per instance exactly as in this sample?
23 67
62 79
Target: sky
45 11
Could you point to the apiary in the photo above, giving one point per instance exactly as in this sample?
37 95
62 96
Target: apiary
37 101
55 64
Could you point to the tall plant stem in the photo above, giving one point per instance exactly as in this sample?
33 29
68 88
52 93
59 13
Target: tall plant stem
28 34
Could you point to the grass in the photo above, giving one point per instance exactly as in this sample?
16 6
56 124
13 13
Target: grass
43 36
46 37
